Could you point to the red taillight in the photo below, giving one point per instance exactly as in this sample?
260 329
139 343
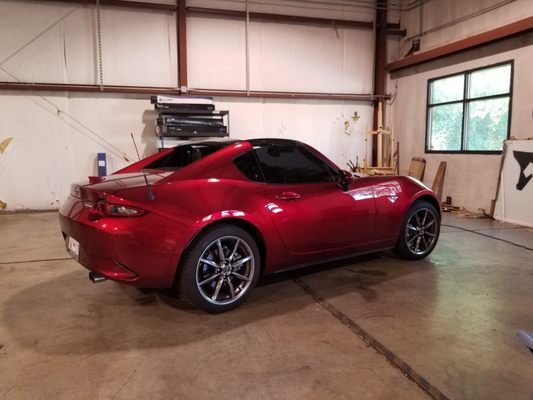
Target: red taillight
103 208
120 210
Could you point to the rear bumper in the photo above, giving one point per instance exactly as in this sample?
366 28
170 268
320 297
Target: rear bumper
140 251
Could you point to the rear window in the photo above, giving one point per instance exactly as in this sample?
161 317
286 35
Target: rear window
185 155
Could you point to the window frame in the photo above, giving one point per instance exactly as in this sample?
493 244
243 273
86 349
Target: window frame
465 101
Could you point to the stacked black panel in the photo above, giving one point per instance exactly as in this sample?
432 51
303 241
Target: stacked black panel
189 117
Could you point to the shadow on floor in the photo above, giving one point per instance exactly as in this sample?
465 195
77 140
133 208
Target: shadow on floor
67 315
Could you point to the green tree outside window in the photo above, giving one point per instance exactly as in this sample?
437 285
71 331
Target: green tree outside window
470 111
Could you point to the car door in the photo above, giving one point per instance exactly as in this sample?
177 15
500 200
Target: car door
309 210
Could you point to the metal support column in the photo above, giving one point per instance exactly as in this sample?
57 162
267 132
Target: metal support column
380 65
181 20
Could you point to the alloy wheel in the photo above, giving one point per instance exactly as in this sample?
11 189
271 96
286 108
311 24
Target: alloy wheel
421 231
225 270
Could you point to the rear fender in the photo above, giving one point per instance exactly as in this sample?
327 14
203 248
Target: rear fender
269 244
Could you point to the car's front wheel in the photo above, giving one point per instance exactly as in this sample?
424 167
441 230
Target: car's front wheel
220 269
420 231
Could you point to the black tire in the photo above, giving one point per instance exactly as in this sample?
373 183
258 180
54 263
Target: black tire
217 285
420 231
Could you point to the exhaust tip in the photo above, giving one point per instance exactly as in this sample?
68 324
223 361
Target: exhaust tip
96 278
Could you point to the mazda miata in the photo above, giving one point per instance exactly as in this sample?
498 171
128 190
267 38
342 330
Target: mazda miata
209 217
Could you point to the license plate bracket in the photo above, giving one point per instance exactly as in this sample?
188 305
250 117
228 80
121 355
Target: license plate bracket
73 248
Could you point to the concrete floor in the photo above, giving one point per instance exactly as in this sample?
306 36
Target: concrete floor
446 324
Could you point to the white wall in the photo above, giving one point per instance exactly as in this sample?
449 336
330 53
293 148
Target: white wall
470 179
319 123
56 43
50 150
301 58
476 16
47 153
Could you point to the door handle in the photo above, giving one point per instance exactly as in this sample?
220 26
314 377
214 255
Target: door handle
288 196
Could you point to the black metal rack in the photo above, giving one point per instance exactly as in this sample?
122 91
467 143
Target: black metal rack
185 118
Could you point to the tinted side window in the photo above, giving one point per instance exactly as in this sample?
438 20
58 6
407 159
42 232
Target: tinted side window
183 156
247 164
291 165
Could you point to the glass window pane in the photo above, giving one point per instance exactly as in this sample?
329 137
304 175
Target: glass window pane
249 167
490 81
487 124
445 124
185 155
291 165
447 89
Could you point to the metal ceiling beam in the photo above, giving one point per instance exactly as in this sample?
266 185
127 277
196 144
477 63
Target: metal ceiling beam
284 95
503 32
120 3
64 87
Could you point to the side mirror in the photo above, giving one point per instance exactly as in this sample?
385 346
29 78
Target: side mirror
345 180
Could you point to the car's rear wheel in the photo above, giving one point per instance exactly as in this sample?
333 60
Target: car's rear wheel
420 231
220 269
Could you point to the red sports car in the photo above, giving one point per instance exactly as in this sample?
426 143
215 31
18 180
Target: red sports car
210 217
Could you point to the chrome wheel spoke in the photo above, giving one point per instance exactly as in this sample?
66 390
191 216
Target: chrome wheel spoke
410 241
221 256
424 219
242 261
211 278
209 262
241 277
425 243
234 250
417 245
430 234
217 289
231 288
429 224
411 227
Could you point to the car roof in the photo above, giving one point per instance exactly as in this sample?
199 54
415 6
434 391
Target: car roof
275 141
209 141
253 142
